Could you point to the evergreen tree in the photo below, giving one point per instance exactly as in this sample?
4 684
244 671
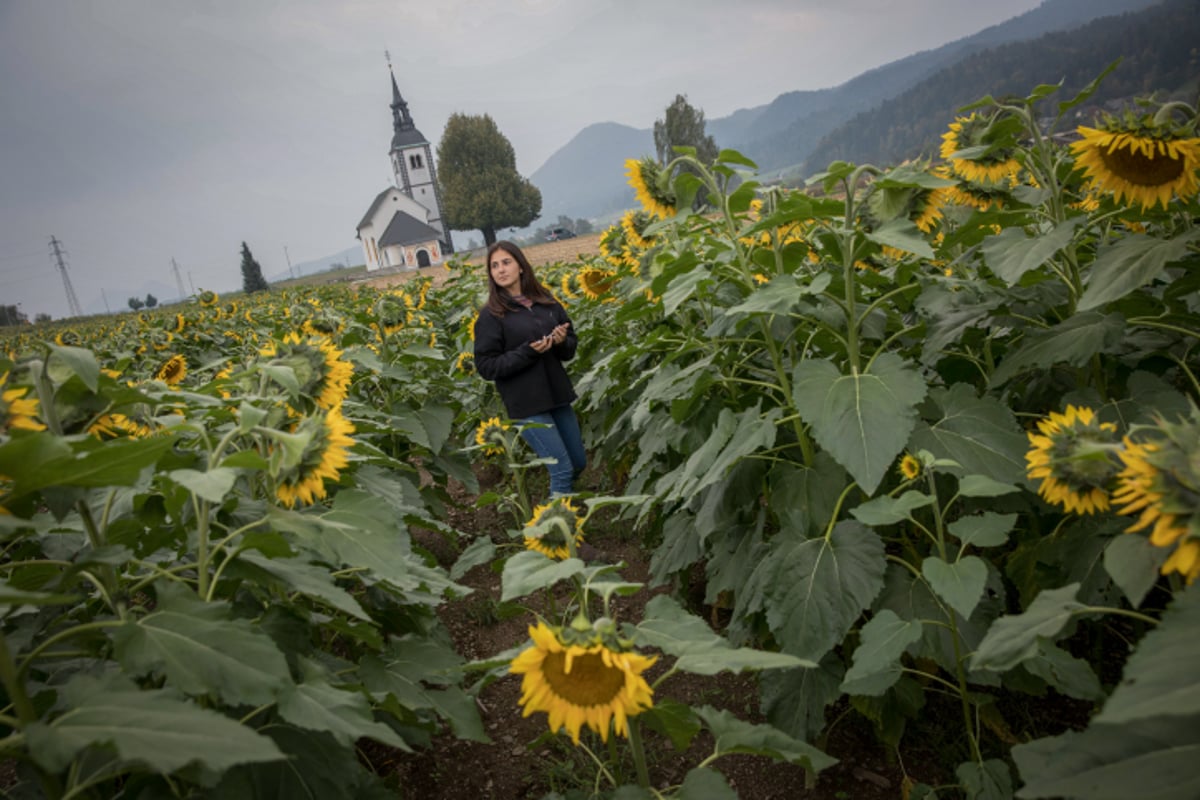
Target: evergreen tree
151 301
252 277
136 303
481 189
683 126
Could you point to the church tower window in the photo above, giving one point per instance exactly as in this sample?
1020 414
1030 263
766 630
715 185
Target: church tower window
415 161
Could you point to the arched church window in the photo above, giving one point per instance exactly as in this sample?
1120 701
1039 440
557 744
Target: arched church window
415 161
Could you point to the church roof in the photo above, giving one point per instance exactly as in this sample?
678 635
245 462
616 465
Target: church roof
406 229
379 198
405 132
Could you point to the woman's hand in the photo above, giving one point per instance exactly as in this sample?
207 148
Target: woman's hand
543 344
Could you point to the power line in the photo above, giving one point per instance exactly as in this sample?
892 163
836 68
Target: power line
72 300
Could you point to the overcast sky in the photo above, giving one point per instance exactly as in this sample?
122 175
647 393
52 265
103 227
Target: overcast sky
137 131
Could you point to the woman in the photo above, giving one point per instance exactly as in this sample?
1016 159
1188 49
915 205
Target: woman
522 338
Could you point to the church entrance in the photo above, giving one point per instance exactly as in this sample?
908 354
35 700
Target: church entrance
423 258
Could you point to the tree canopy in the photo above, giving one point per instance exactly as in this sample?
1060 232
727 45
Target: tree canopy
683 126
252 276
481 189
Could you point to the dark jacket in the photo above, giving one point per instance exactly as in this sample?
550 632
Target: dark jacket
529 382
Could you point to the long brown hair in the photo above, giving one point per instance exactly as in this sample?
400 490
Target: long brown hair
498 299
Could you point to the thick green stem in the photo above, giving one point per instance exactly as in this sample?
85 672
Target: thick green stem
639 754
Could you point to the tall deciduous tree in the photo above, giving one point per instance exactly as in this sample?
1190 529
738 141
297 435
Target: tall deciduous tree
481 189
252 277
683 126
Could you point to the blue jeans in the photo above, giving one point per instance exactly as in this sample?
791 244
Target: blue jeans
560 440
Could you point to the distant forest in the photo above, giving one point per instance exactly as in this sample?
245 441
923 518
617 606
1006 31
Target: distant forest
1159 48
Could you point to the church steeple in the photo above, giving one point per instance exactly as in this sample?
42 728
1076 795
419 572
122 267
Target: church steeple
412 162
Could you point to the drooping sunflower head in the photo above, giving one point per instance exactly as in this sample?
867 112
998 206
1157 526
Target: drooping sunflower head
208 298
172 371
68 338
1072 454
597 283
316 451
114 424
465 362
1160 482
555 529
324 322
1138 162
910 467
17 412
582 679
158 339
320 371
634 223
981 148
492 436
649 183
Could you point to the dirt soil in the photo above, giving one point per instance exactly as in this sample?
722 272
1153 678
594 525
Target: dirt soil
524 760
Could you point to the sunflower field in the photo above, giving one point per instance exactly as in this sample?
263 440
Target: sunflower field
927 435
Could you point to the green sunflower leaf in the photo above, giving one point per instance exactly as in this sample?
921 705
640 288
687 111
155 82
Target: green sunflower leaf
820 586
877 659
1160 677
780 295
1134 565
1012 252
983 530
297 574
65 361
212 485
1153 757
700 651
960 584
990 780
979 433
112 463
200 650
890 510
902 234
702 783
1014 637
862 419
736 736
345 715
1130 264
795 700
150 727
1074 342
529 571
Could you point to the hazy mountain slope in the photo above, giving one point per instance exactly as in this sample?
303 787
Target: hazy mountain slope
1156 45
585 177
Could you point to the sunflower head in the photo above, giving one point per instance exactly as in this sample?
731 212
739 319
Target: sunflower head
172 371
68 338
465 362
649 182
910 467
208 298
1138 162
17 412
982 148
314 451
582 678
1072 455
492 436
634 224
318 366
555 529
1159 484
596 283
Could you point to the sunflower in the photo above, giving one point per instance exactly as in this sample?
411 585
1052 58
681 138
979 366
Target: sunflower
1143 166
323 456
208 298
565 285
644 176
113 425
320 370
172 371
596 283
1071 456
577 679
16 411
465 362
68 338
633 223
993 164
1159 483
555 529
491 435
910 467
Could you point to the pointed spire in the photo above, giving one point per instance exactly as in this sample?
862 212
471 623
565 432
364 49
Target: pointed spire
401 119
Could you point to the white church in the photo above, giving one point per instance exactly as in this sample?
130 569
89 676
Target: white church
403 228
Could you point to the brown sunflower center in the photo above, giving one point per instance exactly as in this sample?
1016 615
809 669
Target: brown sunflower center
591 682
1140 169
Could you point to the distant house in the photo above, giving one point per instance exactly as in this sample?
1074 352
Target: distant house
403 227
